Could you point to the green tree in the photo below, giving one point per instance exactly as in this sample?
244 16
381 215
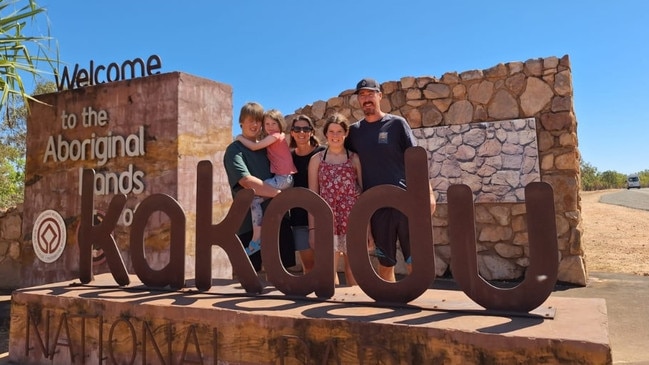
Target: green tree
14 126
13 134
612 180
11 177
589 180
20 53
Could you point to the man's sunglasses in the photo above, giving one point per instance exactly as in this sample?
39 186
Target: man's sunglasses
301 129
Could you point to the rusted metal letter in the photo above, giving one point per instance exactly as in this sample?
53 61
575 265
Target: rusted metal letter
223 234
173 274
541 275
414 202
101 234
320 279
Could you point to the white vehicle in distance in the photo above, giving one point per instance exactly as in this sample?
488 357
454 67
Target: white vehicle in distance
633 181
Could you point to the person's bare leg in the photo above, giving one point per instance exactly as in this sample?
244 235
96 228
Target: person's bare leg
255 243
349 275
307 258
336 257
256 233
387 273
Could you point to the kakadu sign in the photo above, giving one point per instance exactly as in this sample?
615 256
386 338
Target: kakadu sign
413 201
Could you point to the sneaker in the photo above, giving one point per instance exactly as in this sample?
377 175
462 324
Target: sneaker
253 247
378 253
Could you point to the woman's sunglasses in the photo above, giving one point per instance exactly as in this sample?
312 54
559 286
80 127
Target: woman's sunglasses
301 129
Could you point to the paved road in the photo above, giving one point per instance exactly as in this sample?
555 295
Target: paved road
632 198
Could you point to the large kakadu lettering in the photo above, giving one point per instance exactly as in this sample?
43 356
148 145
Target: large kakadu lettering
532 292
100 74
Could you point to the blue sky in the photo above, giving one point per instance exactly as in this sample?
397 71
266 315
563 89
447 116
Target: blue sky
287 54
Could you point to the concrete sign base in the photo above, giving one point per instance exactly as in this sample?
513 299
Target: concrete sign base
64 323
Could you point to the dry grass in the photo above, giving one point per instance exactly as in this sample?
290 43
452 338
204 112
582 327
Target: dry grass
616 238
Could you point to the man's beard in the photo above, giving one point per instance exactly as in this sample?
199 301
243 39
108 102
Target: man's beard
369 109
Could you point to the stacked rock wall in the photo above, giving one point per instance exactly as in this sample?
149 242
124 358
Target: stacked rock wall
10 247
538 89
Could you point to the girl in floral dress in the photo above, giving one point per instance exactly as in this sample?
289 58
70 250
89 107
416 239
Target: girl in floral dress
335 174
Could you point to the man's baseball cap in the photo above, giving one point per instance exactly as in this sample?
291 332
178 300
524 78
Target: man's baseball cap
367 84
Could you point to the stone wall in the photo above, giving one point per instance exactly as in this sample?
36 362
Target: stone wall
537 88
10 247
495 159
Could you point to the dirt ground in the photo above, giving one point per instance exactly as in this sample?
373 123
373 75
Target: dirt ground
616 238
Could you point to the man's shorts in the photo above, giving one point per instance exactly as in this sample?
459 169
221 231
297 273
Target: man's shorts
388 225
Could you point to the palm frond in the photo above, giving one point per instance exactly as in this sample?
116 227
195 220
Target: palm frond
16 59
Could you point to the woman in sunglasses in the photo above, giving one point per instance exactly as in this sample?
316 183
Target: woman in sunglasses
304 144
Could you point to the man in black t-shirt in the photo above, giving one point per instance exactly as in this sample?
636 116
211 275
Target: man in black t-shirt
381 140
